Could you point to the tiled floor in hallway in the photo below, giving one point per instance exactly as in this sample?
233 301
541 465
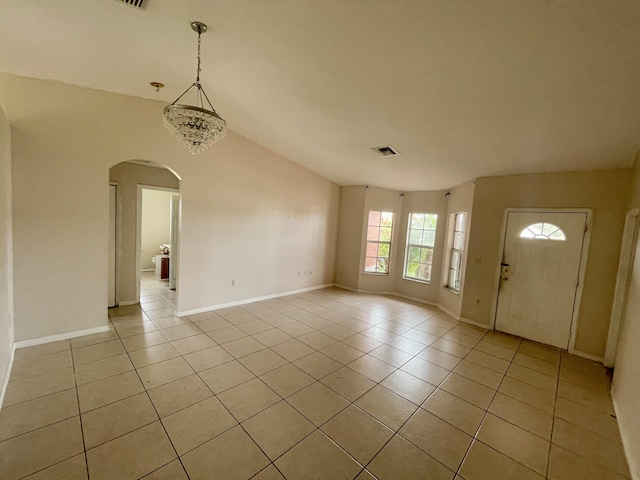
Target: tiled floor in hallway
328 384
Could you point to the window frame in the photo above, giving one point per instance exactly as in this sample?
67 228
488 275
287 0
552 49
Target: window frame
409 245
557 235
453 250
378 242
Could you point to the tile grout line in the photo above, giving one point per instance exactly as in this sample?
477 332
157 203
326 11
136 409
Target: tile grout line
318 428
395 431
146 391
290 362
75 381
84 452
159 419
474 438
437 387
487 413
412 356
553 418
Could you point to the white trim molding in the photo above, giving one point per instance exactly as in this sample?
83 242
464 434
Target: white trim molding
476 324
625 265
219 306
393 294
446 310
126 303
5 384
631 456
588 356
61 336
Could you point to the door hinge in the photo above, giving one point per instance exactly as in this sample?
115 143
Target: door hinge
586 227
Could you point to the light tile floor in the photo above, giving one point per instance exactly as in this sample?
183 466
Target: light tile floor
328 384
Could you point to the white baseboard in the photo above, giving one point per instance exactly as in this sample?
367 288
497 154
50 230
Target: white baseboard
344 287
588 356
219 306
631 456
5 384
61 336
153 269
413 299
446 310
476 324
393 294
126 303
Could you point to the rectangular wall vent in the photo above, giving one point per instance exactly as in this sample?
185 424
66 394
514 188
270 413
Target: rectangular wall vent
387 151
135 3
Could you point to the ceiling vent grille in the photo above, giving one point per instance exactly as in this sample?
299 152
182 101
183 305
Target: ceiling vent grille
134 3
387 151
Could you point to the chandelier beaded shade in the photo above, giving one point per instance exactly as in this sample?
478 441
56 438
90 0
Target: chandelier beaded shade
195 126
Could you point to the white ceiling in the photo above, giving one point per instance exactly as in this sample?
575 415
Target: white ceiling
461 88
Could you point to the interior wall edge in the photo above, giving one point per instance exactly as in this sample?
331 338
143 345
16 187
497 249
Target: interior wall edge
586 355
126 303
61 336
244 301
7 375
634 467
449 312
476 323
413 299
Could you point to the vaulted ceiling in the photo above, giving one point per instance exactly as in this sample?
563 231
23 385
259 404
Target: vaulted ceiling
461 88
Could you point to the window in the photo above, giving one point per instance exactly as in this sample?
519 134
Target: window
421 237
379 231
457 249
543 231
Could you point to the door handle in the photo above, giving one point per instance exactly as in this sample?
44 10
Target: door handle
505 264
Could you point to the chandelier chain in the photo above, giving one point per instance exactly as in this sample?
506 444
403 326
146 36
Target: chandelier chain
198 70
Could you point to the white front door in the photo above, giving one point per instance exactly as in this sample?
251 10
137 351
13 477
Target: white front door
539 275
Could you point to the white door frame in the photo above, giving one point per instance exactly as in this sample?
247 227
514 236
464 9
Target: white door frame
139 229
175 242
625 266
581 273
113 249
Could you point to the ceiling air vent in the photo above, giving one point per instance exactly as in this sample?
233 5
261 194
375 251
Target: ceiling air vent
386 151
135 3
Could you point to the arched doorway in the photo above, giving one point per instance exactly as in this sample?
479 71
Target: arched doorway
144 229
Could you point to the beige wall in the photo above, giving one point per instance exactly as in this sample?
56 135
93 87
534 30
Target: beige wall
247 212
156 225
350 228
383 200
626 377
254 216
605 192
460 200
6 261
128 176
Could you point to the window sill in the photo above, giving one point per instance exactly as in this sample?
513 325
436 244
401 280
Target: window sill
376 273
455 292
417 280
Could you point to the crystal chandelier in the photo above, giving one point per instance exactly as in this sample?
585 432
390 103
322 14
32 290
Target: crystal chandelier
195 126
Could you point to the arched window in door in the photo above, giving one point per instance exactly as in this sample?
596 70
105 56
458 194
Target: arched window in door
543 231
